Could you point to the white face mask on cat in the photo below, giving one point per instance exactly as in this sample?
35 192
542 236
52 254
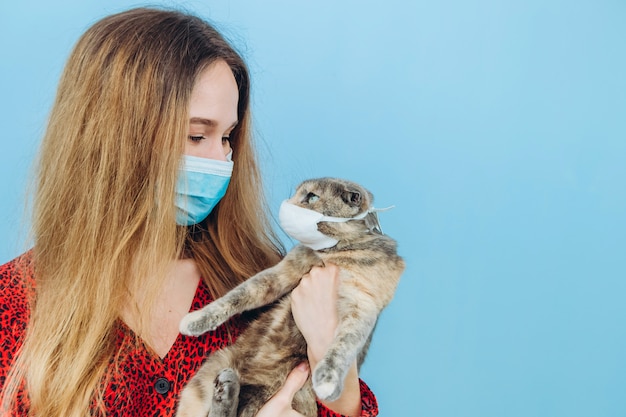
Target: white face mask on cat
301 224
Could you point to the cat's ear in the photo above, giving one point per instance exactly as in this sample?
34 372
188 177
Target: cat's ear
352 198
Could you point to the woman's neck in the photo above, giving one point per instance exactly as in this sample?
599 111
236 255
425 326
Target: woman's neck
173 300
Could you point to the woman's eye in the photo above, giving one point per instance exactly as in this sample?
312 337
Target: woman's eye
195 138
226 139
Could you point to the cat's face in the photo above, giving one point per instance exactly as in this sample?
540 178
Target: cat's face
332 197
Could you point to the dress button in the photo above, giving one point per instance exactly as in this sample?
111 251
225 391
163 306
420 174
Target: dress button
162 386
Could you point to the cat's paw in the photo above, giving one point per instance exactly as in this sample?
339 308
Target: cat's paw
305 256
327 382
198 322
226 391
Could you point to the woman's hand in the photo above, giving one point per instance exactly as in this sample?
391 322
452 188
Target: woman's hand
280 404
314 309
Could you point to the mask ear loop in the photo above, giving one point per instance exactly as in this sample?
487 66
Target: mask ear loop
372 222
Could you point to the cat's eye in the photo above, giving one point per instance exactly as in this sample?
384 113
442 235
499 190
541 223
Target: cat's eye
311 198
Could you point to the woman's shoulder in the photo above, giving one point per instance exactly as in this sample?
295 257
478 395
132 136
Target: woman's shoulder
16 289
17 278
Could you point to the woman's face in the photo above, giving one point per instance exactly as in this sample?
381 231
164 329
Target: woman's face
212 113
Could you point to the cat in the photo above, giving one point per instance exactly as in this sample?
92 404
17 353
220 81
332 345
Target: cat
239 379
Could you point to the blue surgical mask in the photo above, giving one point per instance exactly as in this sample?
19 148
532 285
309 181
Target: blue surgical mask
202 183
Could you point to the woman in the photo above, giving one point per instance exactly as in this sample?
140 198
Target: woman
128 239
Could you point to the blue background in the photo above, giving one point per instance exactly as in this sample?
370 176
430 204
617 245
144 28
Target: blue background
496 128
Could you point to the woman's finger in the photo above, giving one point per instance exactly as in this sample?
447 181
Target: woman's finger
295 380
280 404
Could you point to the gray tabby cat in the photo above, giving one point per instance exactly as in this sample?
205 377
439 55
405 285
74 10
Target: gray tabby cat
336 223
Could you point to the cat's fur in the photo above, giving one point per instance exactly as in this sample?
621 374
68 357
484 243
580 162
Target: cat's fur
239 379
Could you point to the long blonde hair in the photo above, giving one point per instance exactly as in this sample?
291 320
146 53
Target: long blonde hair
103 217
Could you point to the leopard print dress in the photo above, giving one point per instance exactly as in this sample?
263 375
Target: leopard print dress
140 383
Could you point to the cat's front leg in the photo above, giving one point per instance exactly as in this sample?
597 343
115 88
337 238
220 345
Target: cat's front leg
331 371
206 319
263 288
243 297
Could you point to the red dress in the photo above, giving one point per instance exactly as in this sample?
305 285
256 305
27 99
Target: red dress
143 383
